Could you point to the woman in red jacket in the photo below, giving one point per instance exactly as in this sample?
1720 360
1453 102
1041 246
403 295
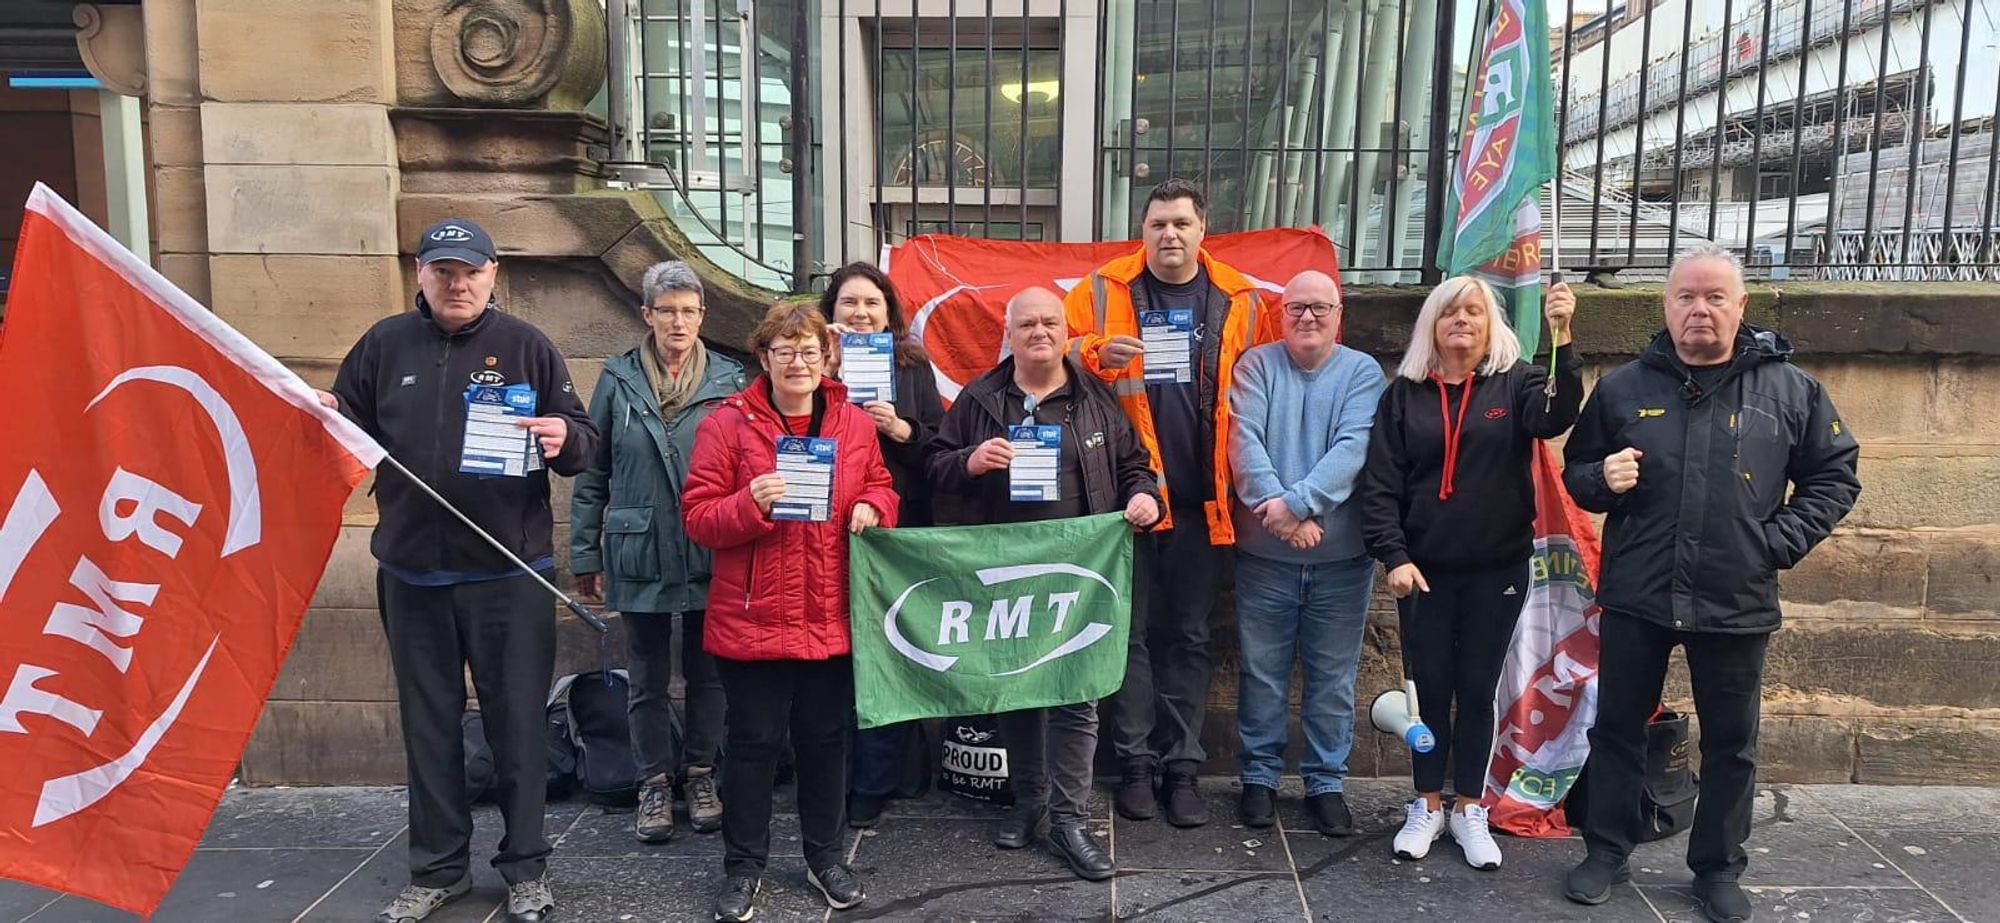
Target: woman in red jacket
777 617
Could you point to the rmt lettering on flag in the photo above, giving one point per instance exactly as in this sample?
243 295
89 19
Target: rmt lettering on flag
164 519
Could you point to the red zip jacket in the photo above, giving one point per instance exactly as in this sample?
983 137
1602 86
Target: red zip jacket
779 589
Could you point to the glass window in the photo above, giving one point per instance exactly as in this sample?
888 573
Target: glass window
1286 113
934 107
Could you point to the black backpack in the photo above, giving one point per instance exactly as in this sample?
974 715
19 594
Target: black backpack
973 758
591 706
1667 799
1667 795
561 746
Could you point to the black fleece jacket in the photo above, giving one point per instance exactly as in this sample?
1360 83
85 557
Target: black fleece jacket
404 383
1489 518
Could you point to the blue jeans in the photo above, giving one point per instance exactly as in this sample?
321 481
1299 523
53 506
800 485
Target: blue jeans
1317 611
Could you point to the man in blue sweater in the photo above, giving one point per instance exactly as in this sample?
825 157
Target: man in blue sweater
1302 409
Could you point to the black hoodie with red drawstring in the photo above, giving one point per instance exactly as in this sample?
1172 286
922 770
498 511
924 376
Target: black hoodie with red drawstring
1447 484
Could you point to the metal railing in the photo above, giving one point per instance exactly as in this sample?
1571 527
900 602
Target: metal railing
1837 139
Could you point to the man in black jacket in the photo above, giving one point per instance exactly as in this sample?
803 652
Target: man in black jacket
1689 450
1100 468
417 382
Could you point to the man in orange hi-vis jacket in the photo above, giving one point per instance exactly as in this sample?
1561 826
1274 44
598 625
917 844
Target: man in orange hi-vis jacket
1164 326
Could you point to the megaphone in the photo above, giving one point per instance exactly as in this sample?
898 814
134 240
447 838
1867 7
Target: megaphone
1395 713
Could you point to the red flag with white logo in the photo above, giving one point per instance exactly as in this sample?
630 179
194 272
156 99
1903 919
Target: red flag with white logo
955 289
166 510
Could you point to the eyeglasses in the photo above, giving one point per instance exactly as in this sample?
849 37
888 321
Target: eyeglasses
783 355
686 314
1318 308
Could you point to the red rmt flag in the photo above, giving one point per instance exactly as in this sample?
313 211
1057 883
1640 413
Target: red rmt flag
167 507
955 289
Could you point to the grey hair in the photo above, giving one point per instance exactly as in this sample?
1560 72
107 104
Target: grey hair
1707 252
1503 348
669 276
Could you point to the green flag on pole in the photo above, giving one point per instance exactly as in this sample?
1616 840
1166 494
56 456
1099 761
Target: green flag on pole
974 620
1507 151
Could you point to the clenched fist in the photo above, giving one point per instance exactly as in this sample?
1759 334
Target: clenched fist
1621 470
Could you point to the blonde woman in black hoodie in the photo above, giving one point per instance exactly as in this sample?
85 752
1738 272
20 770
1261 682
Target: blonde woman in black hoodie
1448 506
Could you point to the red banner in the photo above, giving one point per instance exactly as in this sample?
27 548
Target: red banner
165 516
955 288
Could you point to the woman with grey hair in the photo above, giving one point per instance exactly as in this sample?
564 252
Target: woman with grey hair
1448 506
629 552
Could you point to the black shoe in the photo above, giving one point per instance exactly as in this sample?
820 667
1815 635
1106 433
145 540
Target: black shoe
738 900
1135 793
1024 824
865 810
839 885
1592 879
1329 814
1074 844
1722 900
1258 805
1184 805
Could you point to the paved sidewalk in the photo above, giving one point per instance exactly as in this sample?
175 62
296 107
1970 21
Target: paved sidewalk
1818 853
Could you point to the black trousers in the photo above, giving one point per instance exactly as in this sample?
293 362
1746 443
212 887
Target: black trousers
1456 637
505 631
1050 755
1159 710
881 758
649 637
1727 673
814 701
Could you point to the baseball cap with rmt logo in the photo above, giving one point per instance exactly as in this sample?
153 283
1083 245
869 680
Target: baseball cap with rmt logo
455 239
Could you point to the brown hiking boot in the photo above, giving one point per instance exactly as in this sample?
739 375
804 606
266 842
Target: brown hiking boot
654 821
704 806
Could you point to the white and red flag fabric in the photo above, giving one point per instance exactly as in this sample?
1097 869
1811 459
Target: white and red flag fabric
1547 698
955 289
167 507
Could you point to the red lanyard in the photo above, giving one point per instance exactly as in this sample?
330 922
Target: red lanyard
1453 430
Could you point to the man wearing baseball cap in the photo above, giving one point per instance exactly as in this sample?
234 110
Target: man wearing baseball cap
479 405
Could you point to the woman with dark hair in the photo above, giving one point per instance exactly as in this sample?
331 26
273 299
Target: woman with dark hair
777 621
860 298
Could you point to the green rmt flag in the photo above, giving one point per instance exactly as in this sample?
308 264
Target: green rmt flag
1507 151
973 620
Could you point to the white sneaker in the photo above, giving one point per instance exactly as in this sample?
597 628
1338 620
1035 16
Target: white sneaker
1421 828
1469 828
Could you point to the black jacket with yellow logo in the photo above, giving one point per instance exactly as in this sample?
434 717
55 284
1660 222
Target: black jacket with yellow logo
1697 544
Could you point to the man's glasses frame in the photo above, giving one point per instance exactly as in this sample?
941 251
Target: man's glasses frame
1318 308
